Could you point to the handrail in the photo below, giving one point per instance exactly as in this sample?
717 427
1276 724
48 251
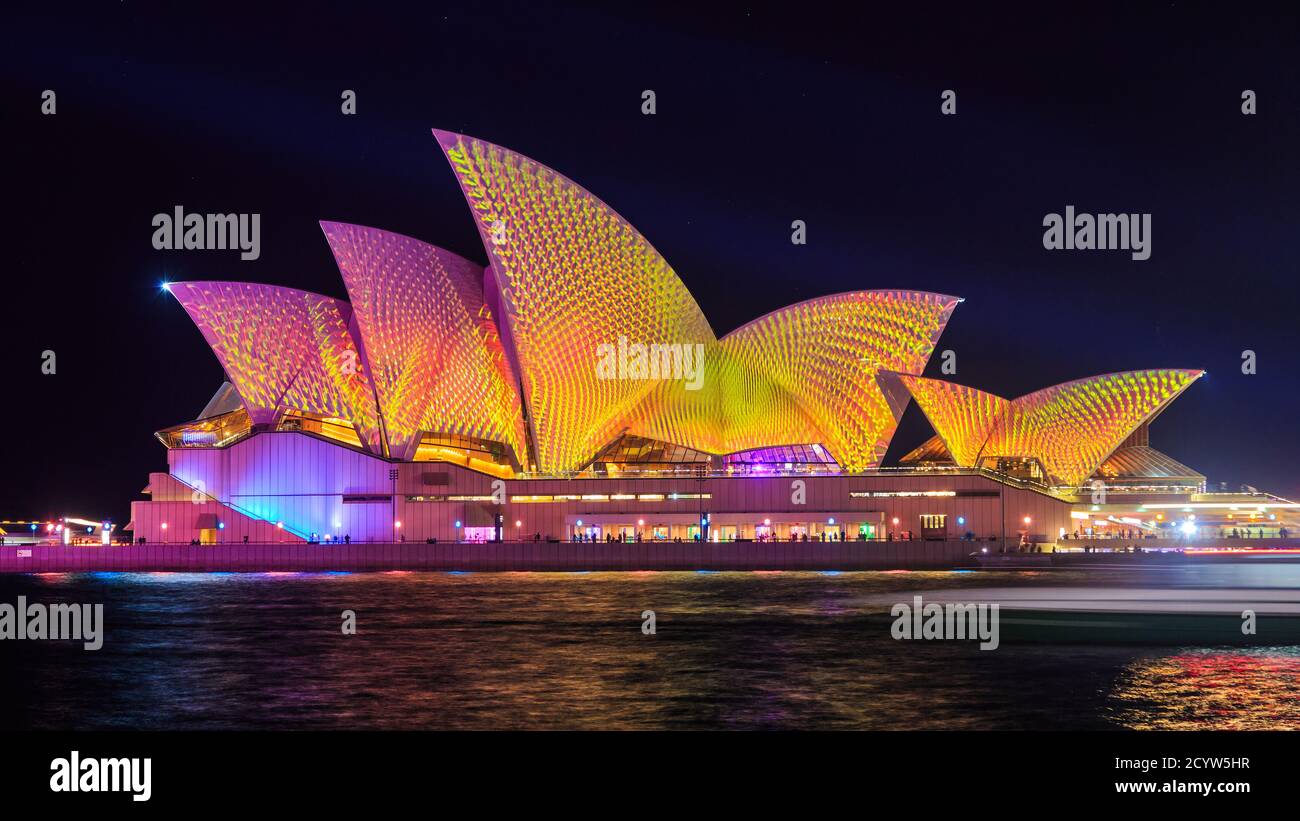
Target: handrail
241 510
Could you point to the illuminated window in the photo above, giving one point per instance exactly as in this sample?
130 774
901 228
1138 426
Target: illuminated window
480 455
877 494
333 428
217 432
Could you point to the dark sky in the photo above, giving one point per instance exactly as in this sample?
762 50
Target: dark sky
764 116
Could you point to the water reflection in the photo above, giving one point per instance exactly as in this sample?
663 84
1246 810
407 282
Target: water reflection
557 650
1248 689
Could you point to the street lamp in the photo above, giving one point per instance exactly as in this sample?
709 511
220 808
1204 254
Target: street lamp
705 467
392 477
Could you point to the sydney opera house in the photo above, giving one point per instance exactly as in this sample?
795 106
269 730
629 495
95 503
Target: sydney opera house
573 390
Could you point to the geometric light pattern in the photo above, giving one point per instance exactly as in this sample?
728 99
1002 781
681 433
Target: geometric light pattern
827 353
575 276
962 416
1072 428
734 410
804 374
433 353
284 349
930 452
419 350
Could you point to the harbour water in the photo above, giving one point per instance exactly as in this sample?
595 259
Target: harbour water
778 650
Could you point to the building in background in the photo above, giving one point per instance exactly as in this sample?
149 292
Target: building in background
69 530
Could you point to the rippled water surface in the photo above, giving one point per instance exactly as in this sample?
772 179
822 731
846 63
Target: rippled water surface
535 650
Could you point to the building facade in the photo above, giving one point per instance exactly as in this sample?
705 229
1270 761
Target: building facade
290 486
572 389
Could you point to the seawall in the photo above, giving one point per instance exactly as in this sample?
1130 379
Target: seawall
504 556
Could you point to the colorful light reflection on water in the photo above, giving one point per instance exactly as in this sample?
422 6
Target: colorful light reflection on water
1212 689
559 650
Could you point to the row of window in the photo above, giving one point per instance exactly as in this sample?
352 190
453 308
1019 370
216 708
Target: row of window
568 497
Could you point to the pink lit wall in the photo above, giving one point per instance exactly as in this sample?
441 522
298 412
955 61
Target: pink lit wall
314 486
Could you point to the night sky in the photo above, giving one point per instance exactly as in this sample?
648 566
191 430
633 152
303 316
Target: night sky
764 117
